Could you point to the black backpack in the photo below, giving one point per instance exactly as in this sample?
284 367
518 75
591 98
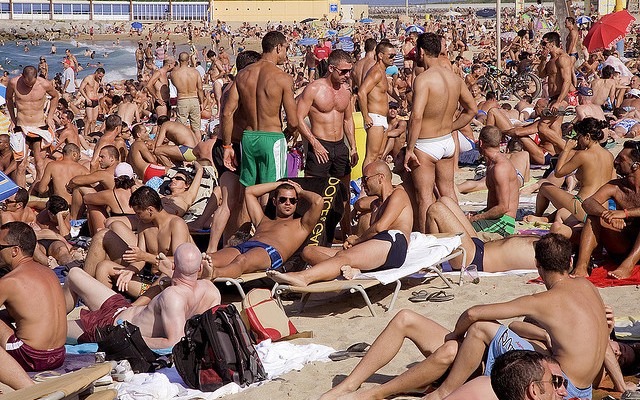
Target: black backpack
215 350
124 342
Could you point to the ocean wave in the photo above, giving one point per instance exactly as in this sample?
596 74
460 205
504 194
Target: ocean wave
120 74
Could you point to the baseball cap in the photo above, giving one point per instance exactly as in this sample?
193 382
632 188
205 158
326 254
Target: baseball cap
585 91
124 169
393 104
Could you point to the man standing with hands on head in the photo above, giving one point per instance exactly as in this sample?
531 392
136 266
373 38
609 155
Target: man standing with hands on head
374 102
259 92
431 125
327 103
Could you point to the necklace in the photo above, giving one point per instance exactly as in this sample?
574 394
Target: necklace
556 282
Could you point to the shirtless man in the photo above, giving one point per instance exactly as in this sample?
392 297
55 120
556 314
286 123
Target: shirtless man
259 92
73 59
34 301
102 178
158 87
28 94
616 230
15 208
363 65
554 325
68 133
572 45
140 155
585 107
110 137
224 59
128 110
140 58
89 90
188 83
161 322
182 138
558 71
163 233
58 173
382 246
7 163
275 240
604 88
327 103
431 124
502 182
373 97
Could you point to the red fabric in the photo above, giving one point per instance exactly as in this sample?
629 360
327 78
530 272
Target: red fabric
321 52
600 279
608 30
33 360
104 316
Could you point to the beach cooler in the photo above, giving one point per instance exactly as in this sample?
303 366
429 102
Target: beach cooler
7 187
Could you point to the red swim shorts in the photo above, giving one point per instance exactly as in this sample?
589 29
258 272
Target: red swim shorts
104 316
153 170
33 360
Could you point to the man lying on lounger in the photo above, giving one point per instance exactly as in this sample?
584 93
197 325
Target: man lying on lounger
383 246
275 240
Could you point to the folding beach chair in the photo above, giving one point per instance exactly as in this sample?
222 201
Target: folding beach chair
359 285
237 282
65 386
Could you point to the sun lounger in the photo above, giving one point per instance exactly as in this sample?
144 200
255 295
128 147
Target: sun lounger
108 394
237 282
62 387
368 280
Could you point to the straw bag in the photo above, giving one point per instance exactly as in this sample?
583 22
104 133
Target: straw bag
264 317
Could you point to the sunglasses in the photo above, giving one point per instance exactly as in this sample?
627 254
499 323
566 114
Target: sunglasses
10 202
557 381
543 43
292 200
6 246
179 178
392 55
343 71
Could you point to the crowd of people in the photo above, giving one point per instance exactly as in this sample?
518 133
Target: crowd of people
125 163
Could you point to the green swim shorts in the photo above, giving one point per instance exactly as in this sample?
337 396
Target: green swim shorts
264 157
504 226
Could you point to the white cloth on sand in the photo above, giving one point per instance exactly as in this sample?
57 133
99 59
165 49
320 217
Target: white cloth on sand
277 359
424 251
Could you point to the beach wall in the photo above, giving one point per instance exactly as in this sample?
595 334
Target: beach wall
264 10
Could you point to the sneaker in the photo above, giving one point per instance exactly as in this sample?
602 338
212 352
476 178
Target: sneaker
122 371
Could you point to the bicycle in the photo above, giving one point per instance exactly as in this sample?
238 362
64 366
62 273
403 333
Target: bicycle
505 84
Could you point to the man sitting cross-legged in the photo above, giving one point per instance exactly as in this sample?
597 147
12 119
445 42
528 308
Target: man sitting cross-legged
568 303
382 246
161 322
275 240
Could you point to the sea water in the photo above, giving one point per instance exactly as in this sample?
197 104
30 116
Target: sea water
118 60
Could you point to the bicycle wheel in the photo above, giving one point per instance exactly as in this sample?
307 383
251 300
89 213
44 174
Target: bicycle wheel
527 84
485 85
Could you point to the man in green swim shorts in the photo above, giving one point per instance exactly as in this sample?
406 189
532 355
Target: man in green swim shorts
503 187
259 92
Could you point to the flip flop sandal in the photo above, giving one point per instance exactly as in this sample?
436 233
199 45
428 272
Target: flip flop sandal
419 293
439 297
435 297
355 350
610 143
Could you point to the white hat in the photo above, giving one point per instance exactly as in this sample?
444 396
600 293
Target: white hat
124 169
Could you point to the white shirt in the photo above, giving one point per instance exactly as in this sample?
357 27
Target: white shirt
69 75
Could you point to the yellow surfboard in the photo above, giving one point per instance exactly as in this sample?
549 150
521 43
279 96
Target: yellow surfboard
361 144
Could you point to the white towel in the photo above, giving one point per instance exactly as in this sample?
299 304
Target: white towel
424 251
277 359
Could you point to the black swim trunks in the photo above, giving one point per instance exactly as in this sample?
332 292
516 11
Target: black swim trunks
397 253
217 154
478 259
167 104
338 164
92 103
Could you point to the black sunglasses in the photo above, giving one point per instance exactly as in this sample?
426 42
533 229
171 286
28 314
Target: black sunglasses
343 71
392 55
292 200
557 381
6 246
179 178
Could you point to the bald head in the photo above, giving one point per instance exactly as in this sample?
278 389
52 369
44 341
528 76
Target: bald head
378 167
187 259
183 57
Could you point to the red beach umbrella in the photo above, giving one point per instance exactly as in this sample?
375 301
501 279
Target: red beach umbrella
608 30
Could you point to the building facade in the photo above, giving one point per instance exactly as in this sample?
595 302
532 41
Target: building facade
225 10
